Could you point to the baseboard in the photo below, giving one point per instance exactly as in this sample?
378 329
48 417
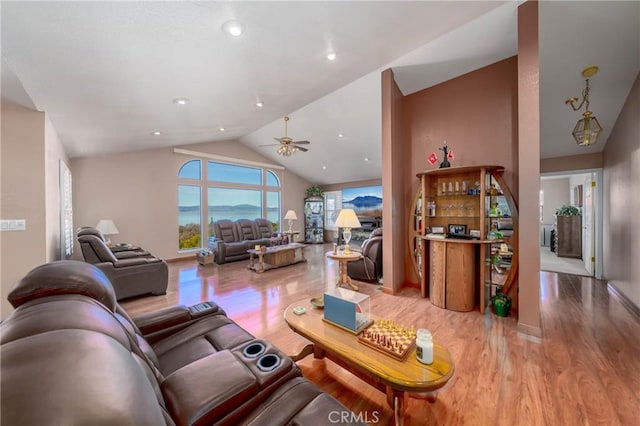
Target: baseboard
624 300
180 259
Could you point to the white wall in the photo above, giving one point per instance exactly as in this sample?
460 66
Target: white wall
556 193
138 191
23 196
621 175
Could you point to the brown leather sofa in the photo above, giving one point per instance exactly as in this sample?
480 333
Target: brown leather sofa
369 266
131 275
71 355
231 239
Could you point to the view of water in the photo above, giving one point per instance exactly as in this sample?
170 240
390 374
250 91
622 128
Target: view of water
193 216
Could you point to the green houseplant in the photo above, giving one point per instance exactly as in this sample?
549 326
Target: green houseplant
501 304
567 210
314 191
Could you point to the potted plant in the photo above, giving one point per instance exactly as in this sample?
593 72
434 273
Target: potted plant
501 304
314 191
567 210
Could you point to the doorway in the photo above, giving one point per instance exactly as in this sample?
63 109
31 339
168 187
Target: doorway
580 189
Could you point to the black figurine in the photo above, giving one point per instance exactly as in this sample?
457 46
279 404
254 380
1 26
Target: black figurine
445 161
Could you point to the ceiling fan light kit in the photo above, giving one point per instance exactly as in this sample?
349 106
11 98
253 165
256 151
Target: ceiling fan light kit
287 145
587 129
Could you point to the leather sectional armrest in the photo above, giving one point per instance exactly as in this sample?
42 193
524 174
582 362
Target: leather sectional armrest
136 261
162 319
166 318
208 389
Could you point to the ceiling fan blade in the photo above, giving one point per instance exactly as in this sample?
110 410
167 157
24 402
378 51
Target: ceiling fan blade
271 144
277 139
301 142
302 149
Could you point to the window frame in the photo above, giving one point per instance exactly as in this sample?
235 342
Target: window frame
205 184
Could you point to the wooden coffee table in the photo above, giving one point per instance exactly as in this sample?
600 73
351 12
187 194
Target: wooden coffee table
275 257
398 379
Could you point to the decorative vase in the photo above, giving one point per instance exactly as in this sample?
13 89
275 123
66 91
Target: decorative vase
501 304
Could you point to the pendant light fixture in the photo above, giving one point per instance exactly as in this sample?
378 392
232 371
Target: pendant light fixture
587 129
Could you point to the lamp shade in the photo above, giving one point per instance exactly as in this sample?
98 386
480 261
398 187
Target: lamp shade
347 219
107 227
291 215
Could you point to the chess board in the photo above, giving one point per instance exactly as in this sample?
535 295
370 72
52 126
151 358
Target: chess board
389 338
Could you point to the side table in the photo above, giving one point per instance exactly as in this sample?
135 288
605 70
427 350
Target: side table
343 259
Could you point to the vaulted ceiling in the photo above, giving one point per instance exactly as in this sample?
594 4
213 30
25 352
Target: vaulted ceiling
107 73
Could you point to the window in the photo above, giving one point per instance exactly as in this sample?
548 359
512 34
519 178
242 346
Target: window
229 191
190 170
541 200
233 204
189 219
333 205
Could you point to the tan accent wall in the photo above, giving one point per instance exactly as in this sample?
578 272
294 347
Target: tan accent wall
571 163
22 154
138 191
394 209
54 153
529 171
621 189
476 114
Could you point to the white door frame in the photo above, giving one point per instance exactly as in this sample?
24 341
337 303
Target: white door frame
598 209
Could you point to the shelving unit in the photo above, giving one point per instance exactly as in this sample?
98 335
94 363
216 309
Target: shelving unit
450 269
314 220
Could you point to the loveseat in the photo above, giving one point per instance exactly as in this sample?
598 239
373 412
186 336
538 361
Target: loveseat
71 355
232 239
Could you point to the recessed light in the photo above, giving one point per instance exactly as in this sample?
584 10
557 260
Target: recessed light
324 167
156 133
331 56
233 28
366 159
259 104
181 101
222 129
340 135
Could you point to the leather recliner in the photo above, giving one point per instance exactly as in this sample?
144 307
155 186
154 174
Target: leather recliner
72 355
130 277
369 267
120 252
231 240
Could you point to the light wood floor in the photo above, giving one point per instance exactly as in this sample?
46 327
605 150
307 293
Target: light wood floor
585 370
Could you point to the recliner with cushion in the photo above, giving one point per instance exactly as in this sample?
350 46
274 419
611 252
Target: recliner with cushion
120 252
369 267
231 240
130 277
72 355
226 244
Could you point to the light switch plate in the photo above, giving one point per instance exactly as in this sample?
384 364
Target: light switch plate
13 225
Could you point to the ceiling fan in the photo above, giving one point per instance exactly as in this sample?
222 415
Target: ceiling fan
287 145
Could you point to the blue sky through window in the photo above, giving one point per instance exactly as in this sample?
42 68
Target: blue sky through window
190 170
221 172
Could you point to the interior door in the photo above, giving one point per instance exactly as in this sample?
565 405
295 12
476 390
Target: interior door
588 224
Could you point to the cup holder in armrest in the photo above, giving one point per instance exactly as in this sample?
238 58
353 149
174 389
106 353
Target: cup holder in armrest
268 362
253 350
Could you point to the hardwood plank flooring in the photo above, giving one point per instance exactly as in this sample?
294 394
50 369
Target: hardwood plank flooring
585 369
